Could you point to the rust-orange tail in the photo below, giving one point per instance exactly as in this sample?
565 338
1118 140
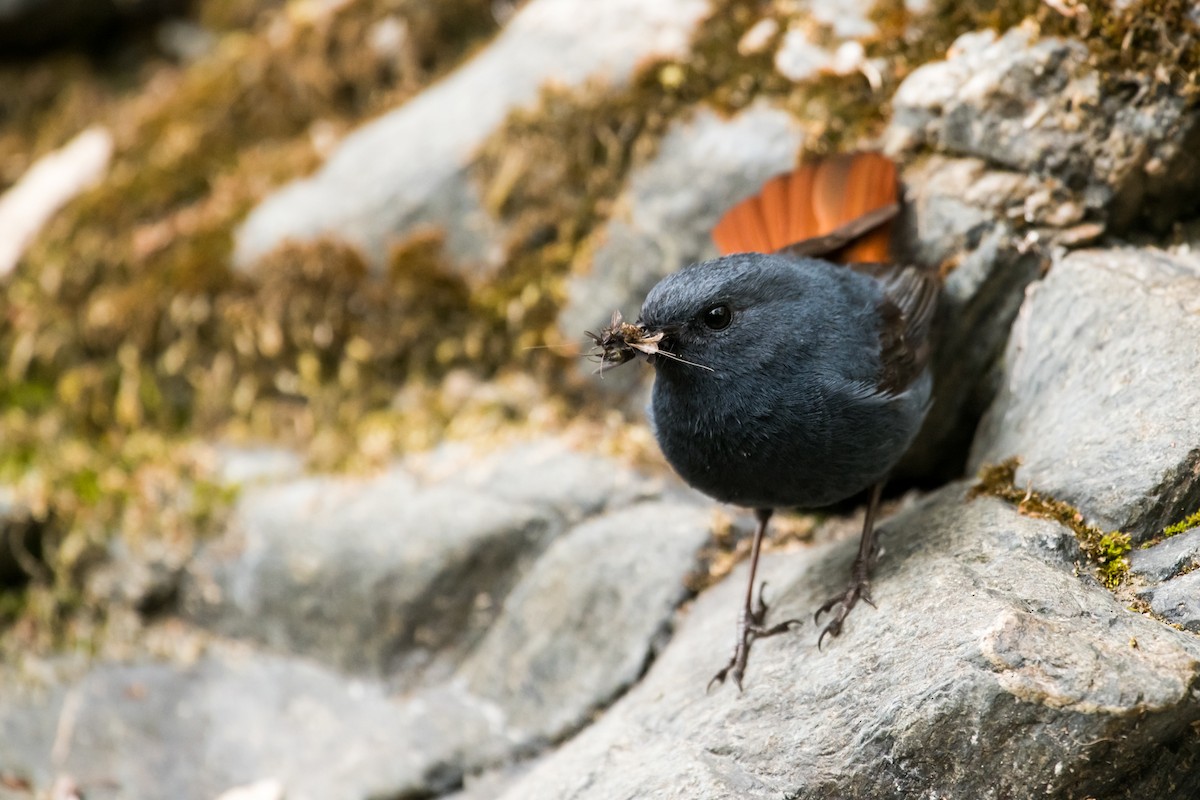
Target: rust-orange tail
839 207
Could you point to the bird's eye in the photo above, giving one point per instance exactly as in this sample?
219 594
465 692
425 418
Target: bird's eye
717 317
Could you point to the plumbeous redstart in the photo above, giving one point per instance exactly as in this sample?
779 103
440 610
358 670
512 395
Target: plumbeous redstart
792 371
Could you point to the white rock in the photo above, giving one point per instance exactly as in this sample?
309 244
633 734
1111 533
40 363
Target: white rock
46 187
267 789
798 59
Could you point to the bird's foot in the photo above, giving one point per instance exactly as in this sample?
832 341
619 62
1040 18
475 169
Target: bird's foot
840 605
751 626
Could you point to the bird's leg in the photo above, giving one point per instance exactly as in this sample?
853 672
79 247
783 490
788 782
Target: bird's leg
753 614
860 574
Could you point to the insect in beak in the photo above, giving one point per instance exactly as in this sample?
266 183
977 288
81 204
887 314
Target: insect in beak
623 341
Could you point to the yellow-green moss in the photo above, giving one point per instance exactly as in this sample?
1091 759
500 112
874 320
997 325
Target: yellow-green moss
1185 524
1182 526
1106 550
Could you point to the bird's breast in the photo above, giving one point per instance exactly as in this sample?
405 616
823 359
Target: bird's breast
782 444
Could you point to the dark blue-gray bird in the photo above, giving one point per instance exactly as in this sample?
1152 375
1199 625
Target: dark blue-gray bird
791 372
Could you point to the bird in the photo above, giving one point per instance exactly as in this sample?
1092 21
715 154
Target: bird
792 371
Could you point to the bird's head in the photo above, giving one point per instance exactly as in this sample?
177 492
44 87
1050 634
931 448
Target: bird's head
717 317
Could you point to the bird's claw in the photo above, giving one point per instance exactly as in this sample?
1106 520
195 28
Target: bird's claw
859 589
750 627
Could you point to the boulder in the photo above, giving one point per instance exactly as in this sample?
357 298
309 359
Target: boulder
575 632
582 625
988 670
1039 106
1015 147
367 576
1100 385
233 719
400 574
1168 558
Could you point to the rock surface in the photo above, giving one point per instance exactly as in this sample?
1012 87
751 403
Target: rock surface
958 214
402 572
352 574
1168 558
1100 387
1177 601
1036 105
409 168
240 719
984 646
576 630
1029 154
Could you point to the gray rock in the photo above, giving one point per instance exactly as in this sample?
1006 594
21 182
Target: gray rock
400 574
1029 155
370 576
576 631
580 627
1167 558
1100 389
409 168
1038 106
703 165
1001 92
1177 600
989 670
957 212
549 474
29 713
158 730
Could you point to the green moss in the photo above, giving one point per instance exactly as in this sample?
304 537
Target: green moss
1106 550
1185 524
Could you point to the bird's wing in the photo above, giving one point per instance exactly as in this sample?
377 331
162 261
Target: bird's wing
910 297
845 243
